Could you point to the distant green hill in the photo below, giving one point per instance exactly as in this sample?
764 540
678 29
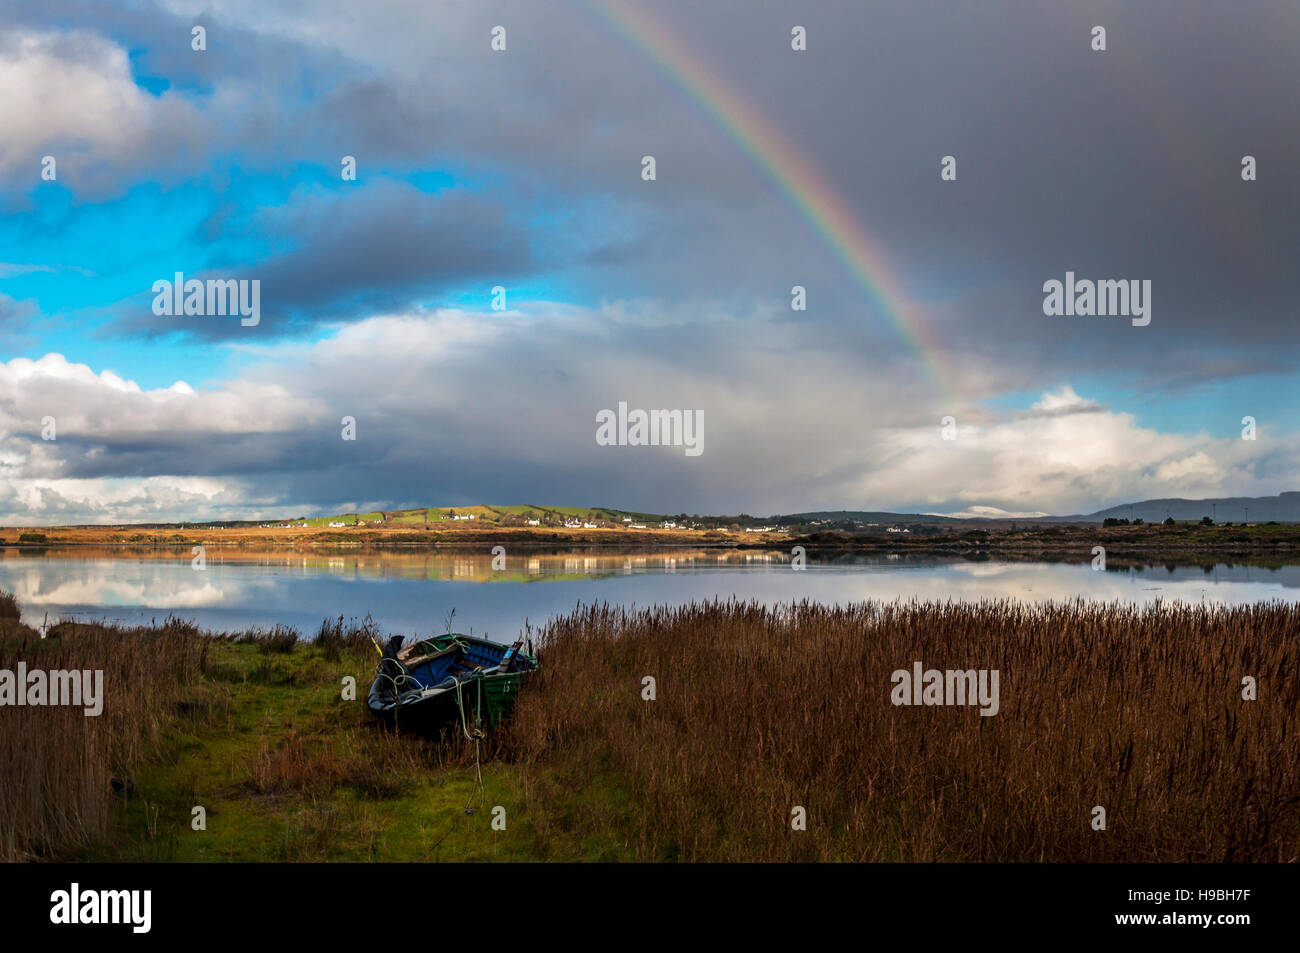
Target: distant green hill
497 515
1284 508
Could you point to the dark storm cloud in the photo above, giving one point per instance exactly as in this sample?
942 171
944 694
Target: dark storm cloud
1123 164
376 249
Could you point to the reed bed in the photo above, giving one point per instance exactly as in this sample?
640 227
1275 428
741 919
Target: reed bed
759 710
60 766
277 640
336 638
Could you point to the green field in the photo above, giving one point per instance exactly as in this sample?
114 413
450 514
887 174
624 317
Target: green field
494 515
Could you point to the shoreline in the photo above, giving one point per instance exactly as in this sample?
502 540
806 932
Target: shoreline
312 538
261 730
1191 544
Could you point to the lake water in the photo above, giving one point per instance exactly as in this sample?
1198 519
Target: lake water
412 593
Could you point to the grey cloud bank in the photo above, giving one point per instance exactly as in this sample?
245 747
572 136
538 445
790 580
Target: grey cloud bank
675 294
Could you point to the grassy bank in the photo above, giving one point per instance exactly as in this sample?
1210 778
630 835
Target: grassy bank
394 536
254 730
756 712
1145 544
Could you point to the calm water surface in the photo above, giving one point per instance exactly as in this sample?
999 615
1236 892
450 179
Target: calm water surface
412 593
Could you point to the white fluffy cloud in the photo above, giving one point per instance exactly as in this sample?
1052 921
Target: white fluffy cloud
1067 455
96 417
71 95
454 407
104 408
136 500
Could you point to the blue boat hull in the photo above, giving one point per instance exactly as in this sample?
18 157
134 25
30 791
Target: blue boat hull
450 681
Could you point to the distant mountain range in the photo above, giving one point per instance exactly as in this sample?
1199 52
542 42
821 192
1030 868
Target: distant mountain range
1283 508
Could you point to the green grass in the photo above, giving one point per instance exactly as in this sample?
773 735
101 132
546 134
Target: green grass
288 770
759 709
348 518
413 517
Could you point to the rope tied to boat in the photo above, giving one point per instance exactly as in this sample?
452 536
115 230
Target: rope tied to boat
476 737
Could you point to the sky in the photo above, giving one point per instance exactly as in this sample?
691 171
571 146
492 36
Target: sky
923 374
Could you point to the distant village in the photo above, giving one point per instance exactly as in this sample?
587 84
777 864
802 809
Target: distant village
593 519
500 518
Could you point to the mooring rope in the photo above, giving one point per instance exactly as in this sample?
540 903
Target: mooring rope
476 737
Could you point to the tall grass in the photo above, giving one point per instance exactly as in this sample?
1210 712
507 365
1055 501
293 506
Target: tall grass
63 775
59 766
757 711
277 640
334 638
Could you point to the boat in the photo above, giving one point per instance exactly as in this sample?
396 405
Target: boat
448 680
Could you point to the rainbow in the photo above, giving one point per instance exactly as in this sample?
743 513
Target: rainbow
793 173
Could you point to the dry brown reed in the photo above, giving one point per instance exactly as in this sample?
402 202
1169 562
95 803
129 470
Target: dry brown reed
59 764
758 710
